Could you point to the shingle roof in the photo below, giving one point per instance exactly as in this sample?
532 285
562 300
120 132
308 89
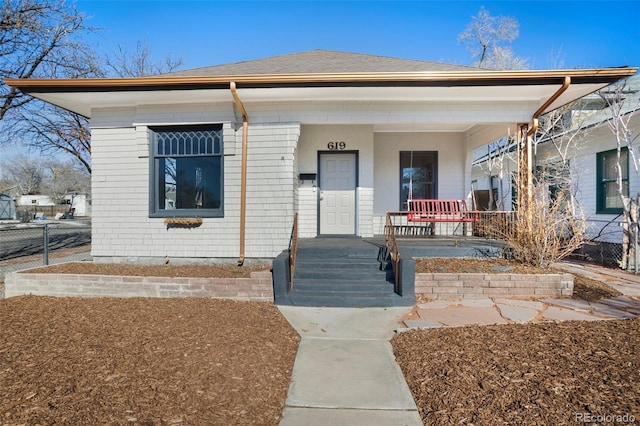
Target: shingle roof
319 62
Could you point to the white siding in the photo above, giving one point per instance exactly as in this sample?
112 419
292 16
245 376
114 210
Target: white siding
451 168
122 227
314 138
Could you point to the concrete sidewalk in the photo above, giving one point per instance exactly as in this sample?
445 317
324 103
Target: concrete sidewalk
345 372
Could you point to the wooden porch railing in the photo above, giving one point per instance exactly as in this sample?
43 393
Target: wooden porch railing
392 246
490 224
494 224
293 248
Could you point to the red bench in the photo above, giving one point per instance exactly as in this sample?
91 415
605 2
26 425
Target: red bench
440 211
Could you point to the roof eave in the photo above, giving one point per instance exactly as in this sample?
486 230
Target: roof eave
449 78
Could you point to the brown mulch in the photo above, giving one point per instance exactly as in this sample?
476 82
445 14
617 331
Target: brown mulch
142 361
592 290
517 374
195 270
204 361
481 265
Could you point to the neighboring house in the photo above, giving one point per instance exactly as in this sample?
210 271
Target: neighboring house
591 163
35 200
330 136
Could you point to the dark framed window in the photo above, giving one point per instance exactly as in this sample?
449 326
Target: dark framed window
607 197
186 165
418 176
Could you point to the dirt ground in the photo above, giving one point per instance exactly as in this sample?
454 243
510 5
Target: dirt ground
75 361
523 374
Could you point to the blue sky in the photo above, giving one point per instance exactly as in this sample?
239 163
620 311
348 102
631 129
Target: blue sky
553 34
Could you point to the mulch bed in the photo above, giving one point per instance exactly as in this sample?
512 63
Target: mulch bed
207 361
143 361
523 374
129 269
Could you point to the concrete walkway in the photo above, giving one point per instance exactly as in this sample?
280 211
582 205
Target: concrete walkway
345 371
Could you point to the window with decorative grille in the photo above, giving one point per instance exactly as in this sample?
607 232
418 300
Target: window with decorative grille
186 171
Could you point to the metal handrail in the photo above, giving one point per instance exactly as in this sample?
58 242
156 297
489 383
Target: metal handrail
293 248
394 254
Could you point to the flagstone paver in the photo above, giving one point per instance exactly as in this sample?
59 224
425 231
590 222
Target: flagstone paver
560 314
517 313
576 304
456 317
531 304
438 304
476 303
605 309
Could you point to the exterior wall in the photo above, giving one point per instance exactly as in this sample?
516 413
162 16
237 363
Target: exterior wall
314 138
451 168
583 174
279 149
122 229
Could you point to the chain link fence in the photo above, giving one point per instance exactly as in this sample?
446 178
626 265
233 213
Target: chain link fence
32 245
603 245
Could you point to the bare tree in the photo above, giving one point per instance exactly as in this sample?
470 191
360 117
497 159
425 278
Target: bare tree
62 179
140 62
560 135
487 39
48 176
50 129
23 174
41 39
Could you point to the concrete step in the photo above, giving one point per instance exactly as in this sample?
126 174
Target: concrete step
332 274
348 300
362 287
337 263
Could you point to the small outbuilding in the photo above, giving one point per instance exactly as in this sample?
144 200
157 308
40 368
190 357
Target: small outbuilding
7 207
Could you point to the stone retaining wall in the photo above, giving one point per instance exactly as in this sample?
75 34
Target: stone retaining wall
259 287
479 285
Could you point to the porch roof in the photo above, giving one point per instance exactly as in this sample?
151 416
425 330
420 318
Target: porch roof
315 77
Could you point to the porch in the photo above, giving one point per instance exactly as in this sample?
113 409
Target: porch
358 272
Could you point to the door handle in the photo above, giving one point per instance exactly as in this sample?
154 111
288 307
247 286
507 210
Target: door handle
321 195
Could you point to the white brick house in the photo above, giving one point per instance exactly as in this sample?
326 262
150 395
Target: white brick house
329 136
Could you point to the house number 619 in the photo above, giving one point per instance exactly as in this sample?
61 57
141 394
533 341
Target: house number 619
336 146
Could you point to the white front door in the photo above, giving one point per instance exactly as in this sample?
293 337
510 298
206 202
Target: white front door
338 194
